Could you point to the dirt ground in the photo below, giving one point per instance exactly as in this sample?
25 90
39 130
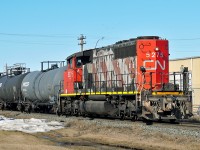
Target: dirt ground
130 138
80 134
21 141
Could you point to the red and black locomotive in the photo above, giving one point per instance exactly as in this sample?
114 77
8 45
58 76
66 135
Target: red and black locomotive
129 79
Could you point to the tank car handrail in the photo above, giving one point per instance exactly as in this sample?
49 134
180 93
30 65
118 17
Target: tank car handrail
51 63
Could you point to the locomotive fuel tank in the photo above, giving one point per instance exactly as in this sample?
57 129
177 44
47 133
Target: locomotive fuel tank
10 87
42 86
98 107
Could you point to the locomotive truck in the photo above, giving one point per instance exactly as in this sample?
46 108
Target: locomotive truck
129 79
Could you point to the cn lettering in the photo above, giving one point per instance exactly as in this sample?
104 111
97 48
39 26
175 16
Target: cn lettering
154 64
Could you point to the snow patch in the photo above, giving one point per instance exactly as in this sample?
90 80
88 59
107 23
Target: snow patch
28 125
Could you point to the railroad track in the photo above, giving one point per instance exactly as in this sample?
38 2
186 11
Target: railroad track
184 123
190 124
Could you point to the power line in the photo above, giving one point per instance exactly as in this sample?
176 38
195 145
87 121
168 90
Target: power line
185 51
189 39
51 35
72 36
32 43
39 35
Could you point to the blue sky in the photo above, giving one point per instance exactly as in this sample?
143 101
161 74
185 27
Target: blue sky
32 31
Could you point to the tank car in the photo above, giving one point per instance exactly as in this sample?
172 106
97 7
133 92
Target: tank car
129 79
40 88
10 86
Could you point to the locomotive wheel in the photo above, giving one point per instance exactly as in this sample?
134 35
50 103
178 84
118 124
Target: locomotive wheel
135 118
172 120
122 117
67 114
147 121
2 106
77 114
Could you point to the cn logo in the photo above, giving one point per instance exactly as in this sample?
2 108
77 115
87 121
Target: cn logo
154 64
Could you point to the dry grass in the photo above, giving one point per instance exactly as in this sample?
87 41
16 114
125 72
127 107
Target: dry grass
22 141
80 131
130 137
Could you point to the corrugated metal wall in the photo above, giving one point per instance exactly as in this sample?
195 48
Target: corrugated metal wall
193 65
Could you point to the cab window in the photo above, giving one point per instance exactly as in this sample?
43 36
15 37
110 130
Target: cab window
70 63
78 63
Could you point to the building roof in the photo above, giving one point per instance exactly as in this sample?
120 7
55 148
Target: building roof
185 58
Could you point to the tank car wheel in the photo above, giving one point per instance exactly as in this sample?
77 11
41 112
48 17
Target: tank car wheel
3 107
22 108
84 115
91 117
58 113
29 109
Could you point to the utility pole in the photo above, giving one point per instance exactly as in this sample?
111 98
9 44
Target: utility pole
6 69
82 42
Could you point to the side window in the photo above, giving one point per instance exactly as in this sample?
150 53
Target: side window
78 63
69 63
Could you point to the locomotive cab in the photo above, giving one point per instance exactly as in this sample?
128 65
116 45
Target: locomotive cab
73 74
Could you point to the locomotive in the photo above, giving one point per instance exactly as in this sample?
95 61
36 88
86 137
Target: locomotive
129 79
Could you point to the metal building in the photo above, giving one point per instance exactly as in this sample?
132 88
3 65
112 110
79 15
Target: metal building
193 64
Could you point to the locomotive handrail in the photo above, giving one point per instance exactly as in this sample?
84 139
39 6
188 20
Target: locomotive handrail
109 82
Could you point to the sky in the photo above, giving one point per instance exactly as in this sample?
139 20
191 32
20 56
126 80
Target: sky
32 31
